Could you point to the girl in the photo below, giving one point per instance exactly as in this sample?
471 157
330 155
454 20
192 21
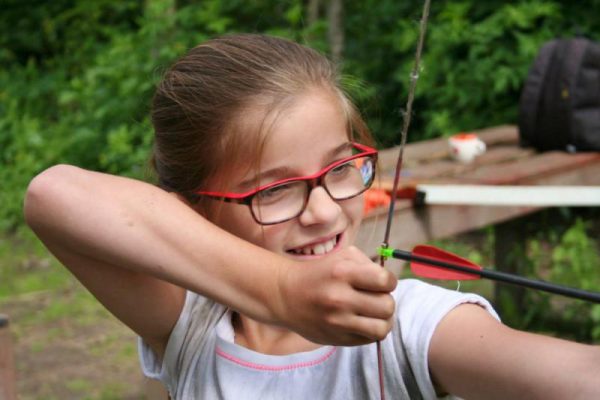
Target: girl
268 299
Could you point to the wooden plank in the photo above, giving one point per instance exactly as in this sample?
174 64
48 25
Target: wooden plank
415 225
429 150
504 163
446 170
8 377
530 169
506 134
588 174
503 153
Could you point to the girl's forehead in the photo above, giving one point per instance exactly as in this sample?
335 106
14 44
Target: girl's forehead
313 123
300 136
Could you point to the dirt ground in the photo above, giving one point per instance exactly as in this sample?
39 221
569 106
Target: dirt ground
83 354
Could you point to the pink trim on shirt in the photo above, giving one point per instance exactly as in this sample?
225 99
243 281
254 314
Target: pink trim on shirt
261 367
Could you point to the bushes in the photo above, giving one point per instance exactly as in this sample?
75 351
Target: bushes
572 260
476 57
79 93
559 245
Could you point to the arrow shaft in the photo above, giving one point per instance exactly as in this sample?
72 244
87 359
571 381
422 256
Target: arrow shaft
502 277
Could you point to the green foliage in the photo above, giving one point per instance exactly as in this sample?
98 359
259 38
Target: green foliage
77 77
81 96
567 256
26 267
575 259
576 262
475 59
562 247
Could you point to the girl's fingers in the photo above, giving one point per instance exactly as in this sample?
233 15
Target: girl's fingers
366 314
363 274
343 299
380 306
373 278
362 330
373 329
370 315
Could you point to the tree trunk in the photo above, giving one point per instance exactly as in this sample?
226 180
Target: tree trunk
336 29
313 11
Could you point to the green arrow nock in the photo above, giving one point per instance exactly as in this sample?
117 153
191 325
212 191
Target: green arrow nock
385 252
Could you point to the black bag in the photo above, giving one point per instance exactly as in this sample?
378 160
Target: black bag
559 107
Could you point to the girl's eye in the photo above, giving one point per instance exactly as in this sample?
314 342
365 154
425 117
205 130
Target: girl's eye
343 168
274 193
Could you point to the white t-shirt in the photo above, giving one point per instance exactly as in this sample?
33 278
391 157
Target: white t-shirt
202 361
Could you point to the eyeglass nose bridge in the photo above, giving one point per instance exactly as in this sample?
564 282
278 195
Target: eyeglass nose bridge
313 183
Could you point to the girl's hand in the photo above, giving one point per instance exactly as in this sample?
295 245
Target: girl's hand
341 299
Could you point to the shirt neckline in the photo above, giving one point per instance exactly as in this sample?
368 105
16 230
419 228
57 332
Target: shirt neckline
227 350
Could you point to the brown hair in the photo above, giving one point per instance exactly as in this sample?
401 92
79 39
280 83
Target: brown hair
197 107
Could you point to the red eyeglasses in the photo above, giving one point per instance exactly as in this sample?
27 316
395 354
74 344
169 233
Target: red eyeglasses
286 199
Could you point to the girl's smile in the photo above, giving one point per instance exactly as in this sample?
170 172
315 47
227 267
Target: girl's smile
318 247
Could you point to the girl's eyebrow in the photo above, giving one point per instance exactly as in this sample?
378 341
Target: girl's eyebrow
279 172
274 174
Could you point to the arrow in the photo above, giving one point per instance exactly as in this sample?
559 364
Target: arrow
432 262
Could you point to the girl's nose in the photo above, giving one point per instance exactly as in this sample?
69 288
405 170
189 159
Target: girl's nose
320 209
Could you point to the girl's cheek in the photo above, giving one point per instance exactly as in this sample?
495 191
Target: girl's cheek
358 208
354 212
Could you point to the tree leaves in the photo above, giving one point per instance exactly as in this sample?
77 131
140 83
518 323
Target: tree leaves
77 77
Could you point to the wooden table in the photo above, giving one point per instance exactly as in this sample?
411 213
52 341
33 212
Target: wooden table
504 163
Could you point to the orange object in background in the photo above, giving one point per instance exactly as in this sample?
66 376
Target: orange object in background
375 198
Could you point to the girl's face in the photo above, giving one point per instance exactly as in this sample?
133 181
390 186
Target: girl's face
305 138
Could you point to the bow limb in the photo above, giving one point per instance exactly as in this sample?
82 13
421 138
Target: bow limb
407 114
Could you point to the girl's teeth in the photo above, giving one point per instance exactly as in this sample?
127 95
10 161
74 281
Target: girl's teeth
318 249
329 246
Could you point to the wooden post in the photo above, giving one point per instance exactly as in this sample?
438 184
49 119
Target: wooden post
8 377
509 249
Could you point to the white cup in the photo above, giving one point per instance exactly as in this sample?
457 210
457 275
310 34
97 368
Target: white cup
464 147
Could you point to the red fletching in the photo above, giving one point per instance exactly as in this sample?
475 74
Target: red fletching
428 271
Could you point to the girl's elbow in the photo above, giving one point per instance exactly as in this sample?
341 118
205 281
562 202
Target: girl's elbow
44 192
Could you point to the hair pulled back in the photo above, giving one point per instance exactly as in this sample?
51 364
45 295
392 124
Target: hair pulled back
198 106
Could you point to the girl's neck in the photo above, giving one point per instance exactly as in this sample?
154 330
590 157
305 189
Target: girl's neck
268 339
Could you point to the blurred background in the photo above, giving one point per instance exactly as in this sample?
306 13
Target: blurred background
76 78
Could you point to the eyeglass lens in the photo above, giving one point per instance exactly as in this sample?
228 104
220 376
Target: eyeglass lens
286 201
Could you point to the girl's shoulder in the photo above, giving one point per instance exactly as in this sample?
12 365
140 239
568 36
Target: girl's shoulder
415 297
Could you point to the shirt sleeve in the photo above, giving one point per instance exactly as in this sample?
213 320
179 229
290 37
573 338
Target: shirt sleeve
420 308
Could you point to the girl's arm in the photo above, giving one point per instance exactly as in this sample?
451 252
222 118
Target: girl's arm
136 248
474 356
